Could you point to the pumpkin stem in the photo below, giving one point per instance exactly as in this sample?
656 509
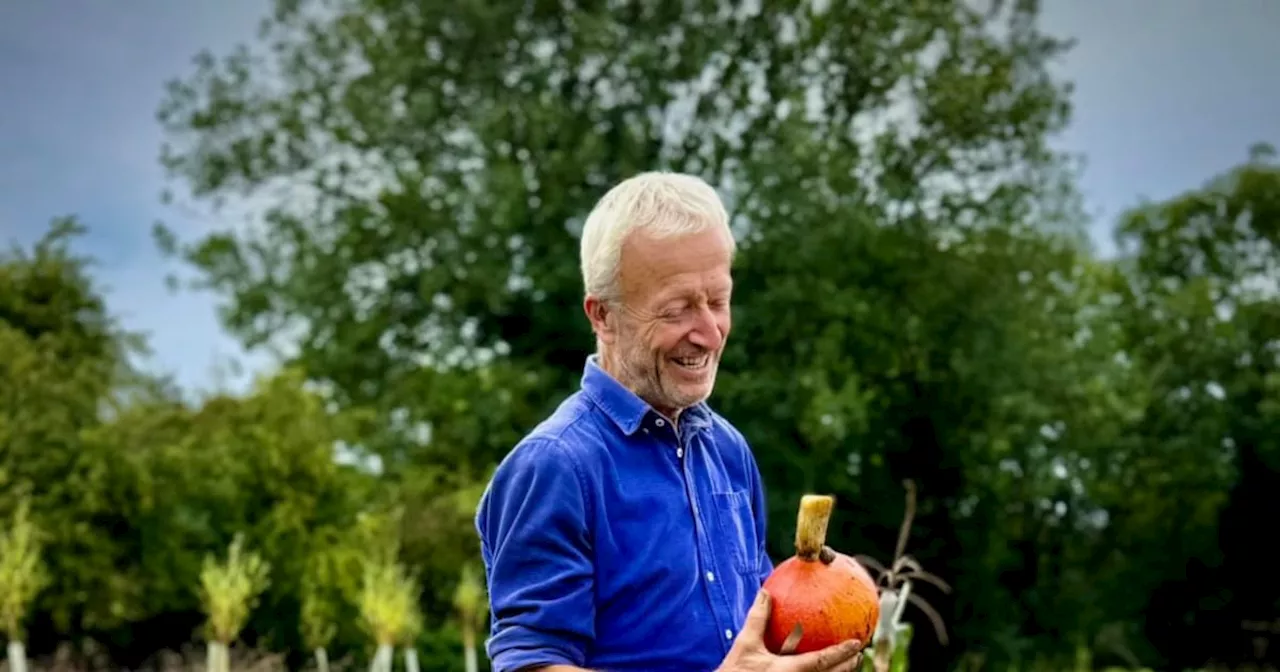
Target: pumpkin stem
811 525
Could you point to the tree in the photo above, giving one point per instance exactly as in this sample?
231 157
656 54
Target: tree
1205 321
470 603
389 594
65 369
228 592
22 577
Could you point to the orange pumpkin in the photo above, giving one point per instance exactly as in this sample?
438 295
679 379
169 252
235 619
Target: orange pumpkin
829 595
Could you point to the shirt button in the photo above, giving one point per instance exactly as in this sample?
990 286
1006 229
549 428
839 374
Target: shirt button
658 422
728 634
679 452
711 577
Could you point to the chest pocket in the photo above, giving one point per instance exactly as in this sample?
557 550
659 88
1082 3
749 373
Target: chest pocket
738 529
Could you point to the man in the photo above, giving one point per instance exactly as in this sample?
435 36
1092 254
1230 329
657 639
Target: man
627 530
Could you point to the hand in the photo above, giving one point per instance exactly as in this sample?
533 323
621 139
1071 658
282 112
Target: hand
750 655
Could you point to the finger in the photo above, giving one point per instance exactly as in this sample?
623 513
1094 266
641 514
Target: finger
757 617
792 641
830 659
854 665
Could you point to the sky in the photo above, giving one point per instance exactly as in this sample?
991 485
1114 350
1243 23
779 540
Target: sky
1168 93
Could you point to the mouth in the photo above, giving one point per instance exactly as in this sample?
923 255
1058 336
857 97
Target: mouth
693 363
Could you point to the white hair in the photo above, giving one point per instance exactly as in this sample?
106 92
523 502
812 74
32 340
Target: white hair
662 204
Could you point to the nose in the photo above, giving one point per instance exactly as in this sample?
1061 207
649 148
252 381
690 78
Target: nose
706 329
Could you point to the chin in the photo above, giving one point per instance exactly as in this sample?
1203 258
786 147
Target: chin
694 394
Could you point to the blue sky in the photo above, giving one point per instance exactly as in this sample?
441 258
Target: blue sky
1168 93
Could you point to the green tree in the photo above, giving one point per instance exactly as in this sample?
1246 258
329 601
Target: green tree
22 577
228 593
1205 322
65 368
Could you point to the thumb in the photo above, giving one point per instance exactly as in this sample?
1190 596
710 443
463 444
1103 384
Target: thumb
758 616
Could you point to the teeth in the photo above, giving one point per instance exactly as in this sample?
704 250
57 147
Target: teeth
692 362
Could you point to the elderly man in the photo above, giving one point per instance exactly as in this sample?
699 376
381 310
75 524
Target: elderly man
627 530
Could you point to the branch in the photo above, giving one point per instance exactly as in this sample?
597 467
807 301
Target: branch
911 569
933 615
872 563
906 519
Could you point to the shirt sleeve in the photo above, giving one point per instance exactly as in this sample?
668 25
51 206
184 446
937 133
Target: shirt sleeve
534 538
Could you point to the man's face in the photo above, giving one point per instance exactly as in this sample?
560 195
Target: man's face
666 338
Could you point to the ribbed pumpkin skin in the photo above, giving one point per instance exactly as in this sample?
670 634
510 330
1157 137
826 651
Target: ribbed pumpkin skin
832 603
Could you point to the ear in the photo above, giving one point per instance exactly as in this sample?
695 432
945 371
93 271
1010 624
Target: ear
600 314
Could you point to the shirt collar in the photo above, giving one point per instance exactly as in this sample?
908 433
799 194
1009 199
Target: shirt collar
627 410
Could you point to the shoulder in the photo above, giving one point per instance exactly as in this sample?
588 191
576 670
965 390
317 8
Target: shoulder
732 444
549 464
722 425
570 436
728 435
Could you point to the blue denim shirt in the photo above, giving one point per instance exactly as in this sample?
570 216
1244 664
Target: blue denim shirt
613 542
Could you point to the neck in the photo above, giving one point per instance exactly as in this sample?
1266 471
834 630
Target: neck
612 365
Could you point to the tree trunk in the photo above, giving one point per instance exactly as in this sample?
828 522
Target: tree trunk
322 659
217 658
469 648
17 657
410 659
382 659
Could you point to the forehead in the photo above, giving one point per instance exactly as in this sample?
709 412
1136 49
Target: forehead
651 266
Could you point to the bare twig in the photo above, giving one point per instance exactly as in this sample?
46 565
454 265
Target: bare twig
907 519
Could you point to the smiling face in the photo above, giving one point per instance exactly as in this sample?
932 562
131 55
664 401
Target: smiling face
664 336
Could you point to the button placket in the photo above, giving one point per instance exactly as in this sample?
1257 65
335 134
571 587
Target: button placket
719 598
